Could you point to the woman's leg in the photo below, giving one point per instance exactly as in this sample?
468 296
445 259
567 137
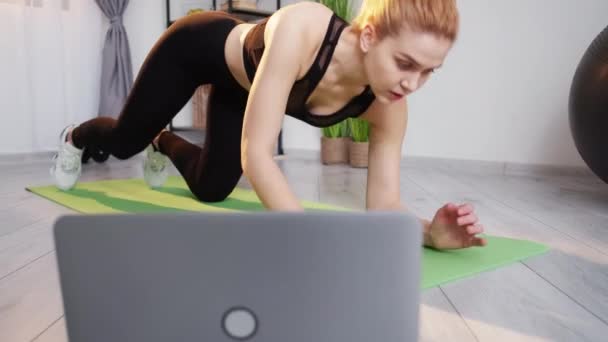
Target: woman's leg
212 171
188 54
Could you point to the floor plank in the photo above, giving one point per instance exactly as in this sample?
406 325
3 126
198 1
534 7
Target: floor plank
580 272
31 210
439 320
562 295
55 333
514 304
26 245
30 300
543 200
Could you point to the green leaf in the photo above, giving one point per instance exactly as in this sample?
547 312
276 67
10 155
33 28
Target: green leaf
359 129
343 8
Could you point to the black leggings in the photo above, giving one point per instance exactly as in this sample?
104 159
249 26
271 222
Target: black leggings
189 53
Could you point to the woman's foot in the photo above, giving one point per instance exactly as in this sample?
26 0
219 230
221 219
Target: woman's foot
68 166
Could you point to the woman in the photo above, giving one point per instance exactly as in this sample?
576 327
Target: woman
303 61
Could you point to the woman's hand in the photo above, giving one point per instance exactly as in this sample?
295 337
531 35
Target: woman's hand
455 227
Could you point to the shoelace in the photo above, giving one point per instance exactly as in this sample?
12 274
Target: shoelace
69 162
157 162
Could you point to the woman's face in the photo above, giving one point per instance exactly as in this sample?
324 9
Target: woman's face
399 65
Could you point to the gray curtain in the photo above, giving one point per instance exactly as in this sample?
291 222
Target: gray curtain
116 69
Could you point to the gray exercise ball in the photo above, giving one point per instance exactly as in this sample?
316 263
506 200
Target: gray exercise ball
588 106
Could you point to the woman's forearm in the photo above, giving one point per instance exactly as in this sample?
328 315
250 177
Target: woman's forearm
271 185
426 224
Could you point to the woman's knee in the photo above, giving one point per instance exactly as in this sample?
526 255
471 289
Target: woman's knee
216 188
125 149
210 194
123 154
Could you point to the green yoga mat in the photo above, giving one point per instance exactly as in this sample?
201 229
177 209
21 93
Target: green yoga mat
133 196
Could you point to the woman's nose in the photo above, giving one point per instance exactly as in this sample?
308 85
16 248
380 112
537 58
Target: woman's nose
410 83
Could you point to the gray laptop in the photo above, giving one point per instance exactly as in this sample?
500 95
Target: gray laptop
266 276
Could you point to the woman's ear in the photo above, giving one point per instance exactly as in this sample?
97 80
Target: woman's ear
367 38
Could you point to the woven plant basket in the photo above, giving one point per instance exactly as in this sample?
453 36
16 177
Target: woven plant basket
358 152
334 150
246 4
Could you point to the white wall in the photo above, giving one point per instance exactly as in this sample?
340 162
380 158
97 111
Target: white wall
501 96
503 93
145 21
50 65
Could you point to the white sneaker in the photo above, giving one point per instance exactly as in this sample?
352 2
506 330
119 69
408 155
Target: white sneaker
68 166
155 167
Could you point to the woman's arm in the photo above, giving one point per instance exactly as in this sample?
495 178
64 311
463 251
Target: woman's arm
388 124
453 226
278 70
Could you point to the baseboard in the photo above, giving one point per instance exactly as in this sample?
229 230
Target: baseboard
38 157
553 170
31 157
470 166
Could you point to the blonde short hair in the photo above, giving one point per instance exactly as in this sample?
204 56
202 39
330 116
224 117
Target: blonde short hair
389 16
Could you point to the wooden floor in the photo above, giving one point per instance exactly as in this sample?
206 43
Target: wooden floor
559 296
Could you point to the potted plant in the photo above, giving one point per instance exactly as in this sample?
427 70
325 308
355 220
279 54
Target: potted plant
359 144
343 8
334 144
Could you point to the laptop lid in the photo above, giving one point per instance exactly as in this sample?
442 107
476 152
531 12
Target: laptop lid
266 276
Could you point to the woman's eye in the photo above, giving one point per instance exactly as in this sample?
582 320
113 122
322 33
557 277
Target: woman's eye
405 65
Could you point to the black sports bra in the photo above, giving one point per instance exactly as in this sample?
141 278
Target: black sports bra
253 48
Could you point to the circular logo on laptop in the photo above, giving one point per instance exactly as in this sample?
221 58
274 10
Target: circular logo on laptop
239 323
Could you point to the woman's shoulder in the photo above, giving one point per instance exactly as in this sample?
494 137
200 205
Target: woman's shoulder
298 30
306 17
305 10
